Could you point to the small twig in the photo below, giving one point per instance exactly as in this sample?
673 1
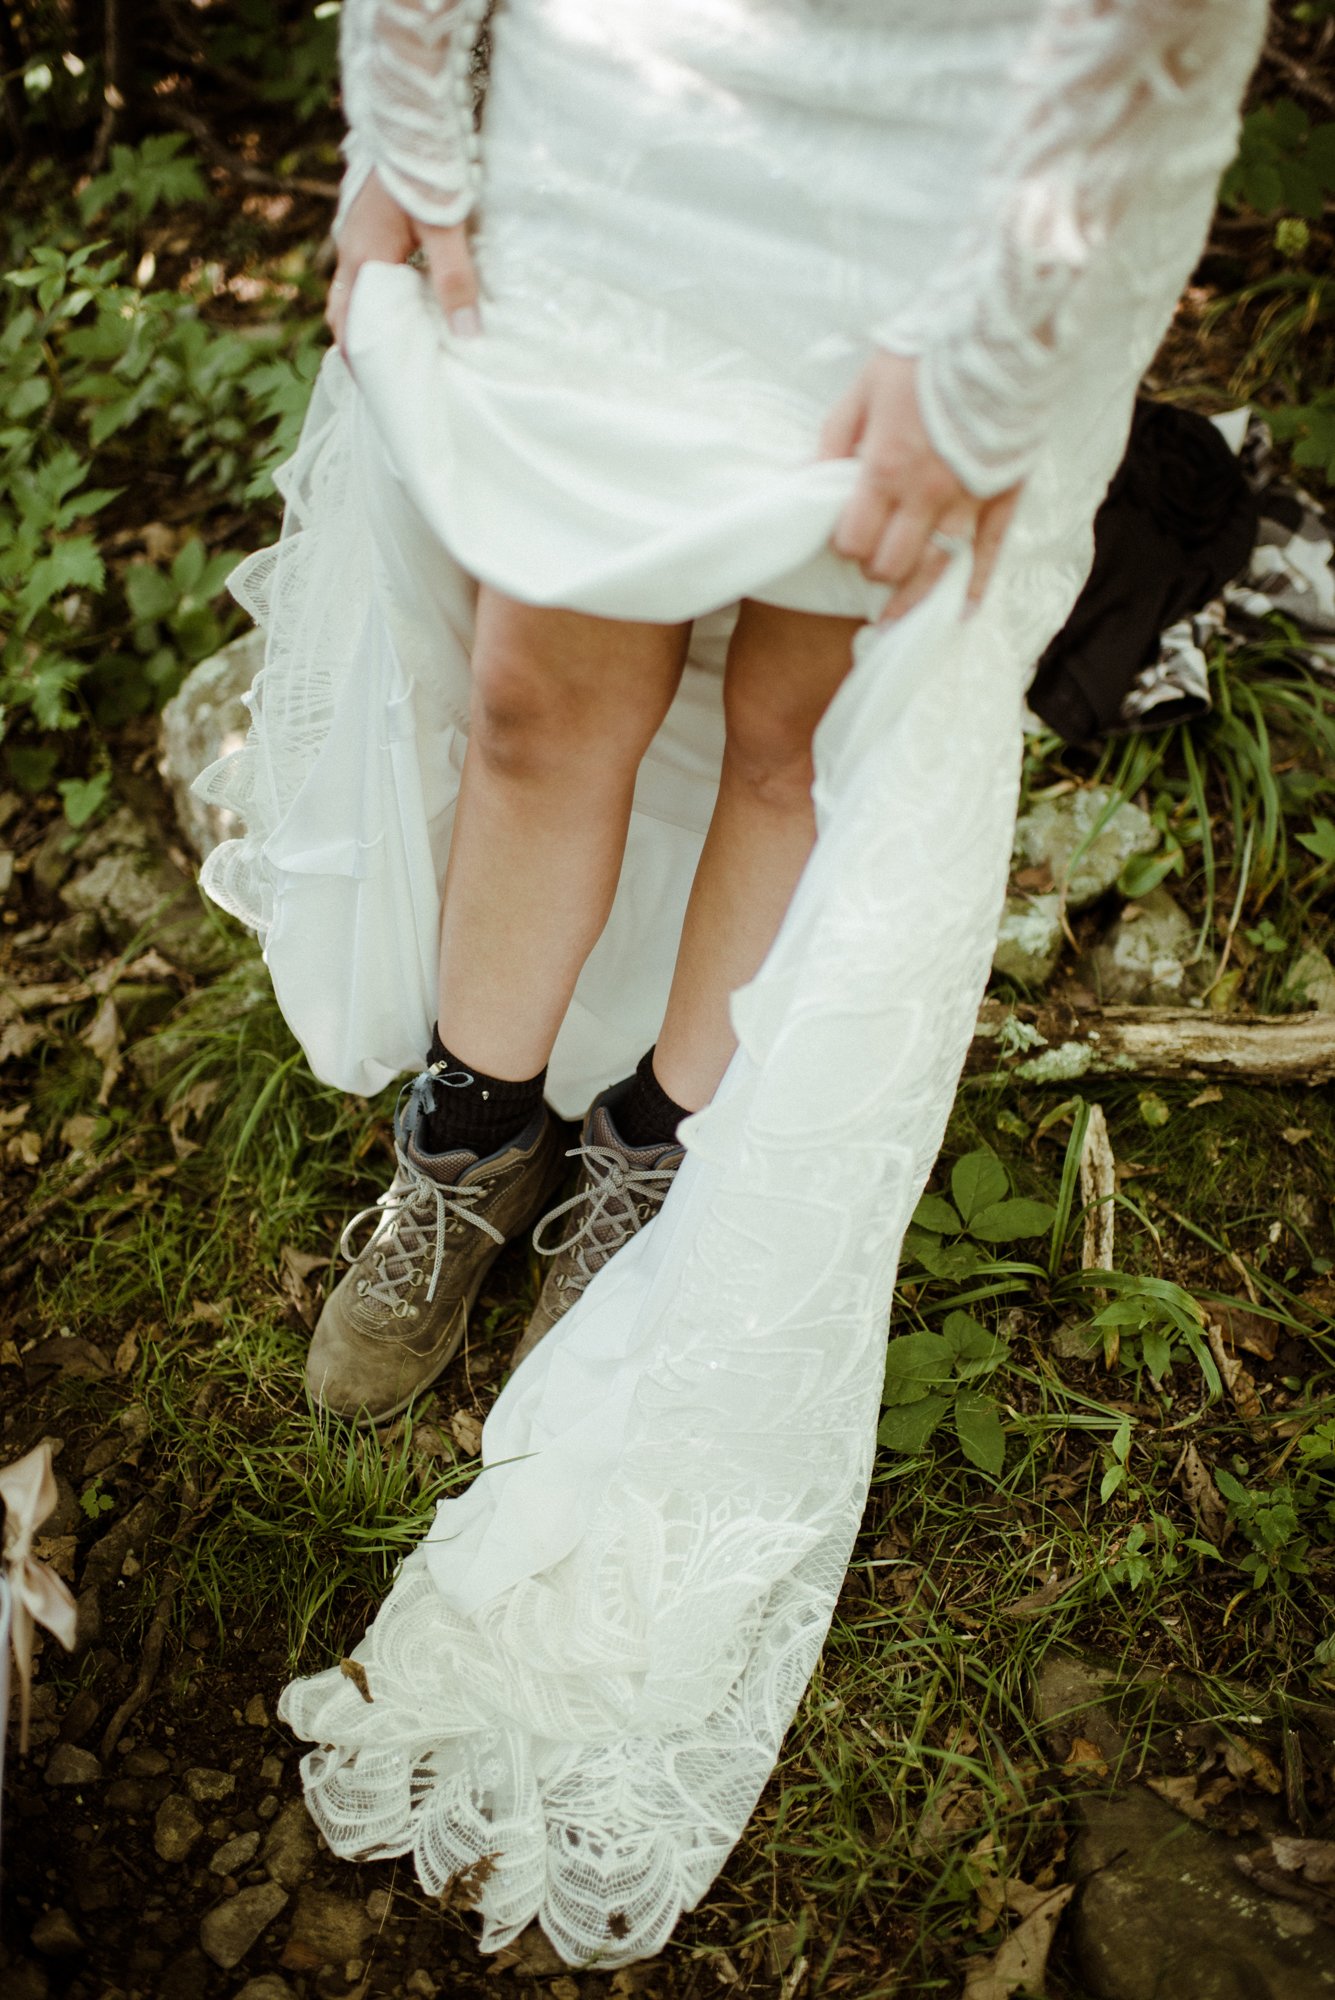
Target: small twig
113 98
192 1511
19 1231
1098 1188
1301 77
232 163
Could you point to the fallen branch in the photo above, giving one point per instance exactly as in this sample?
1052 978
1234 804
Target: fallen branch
233 163
1053 1043
43 1210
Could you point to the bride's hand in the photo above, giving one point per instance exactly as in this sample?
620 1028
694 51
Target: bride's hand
907 496
376 230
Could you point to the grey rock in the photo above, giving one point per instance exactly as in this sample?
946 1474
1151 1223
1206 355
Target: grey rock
1029 938
271 1769
235 1854
125 1795
257 1715
1053 830
1310 982
1145 956
268 1806
231 1928
208 1787
206 720
269 1986
1164 1913
327 1929
106 1558
69 1765
176 1828
289 1850
56 1935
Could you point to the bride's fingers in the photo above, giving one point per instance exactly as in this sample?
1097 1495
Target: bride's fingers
336 302
902 547
993 520
926 575
841 433
453 278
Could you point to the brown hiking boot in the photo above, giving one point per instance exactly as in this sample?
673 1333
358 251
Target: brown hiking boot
397 1316
621 1188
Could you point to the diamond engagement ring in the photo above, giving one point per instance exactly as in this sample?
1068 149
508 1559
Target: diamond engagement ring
951 545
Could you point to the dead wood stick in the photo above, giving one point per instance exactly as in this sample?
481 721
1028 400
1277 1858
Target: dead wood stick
35 1217
193 1509
1053 1043
234 164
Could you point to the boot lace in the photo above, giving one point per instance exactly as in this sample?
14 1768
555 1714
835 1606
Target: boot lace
614 1192
412 1217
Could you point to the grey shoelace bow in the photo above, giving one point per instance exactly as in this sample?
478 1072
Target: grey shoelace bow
613 1216
403 1230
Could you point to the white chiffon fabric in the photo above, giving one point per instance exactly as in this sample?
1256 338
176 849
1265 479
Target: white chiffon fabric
688 219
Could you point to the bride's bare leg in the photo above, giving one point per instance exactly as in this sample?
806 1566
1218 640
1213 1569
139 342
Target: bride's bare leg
564 707
783 668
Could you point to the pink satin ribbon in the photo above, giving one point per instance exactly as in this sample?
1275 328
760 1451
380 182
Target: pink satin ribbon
37 1595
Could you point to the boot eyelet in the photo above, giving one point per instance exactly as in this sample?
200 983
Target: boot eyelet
361 1288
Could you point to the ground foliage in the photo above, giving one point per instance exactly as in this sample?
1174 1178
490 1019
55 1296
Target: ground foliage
1137 1463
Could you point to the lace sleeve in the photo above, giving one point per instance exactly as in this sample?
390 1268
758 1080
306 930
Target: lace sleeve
408 100
1111 95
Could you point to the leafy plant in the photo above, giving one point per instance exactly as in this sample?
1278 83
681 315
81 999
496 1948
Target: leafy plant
140 178
1270 1523
954 1238
930 1376
1283 162
1148 1324
1310 428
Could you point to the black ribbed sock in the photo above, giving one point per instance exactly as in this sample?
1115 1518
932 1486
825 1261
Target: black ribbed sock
646 1115
474 1111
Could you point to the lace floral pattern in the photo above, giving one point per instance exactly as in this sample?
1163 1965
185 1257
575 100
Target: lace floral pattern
408 99
1107 93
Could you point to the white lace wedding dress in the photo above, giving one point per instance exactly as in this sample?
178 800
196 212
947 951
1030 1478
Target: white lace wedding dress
693 219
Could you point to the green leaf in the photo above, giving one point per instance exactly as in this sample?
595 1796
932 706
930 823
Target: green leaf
151 594
83 796
1321 840
977 1352
955 1261
188 565
1233 1491
31 769
71 565
1153 1111
1114 1477
908 1426
1158 1352
1144 872
935 1212
914 1363
1121 1441
978 1181
1005 1221
978 1428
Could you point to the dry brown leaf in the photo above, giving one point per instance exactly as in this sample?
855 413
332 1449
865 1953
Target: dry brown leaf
1036 1602
191 1104
1248 1330
1241 1385
24 1149
294 1268
1085 1759
15 1115
1248 1762
1018 1965
103 1037
60 1551
126 1354
1293 1135
466 1432
79 1131
354 1671
19 1039
1314 1860
209 1312
1202 1495
1188 1796
462 1891
532 1952
1212 1094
